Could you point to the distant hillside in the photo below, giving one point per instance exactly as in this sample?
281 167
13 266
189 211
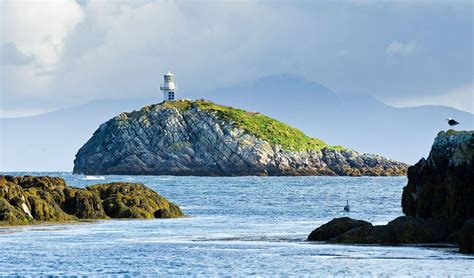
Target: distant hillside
206 139
359 122
49 141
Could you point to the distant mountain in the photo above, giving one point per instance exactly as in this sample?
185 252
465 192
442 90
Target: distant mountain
276 95
359 122
50 141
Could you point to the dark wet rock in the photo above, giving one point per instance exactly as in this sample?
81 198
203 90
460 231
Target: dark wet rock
335 227
466 244
402 230
409 230
438 200
29 200
367 234
442 186
205 139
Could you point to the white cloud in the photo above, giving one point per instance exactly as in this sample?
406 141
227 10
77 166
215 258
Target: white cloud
400 48
38 28
461 98
11 56
32 40
60 53
205 44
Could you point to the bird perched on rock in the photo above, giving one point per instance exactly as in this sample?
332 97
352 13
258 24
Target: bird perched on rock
347 207
452 122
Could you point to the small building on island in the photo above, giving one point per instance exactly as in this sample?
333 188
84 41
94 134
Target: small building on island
168 87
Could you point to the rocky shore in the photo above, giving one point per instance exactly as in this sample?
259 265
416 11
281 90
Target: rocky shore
28 200
438 202
202 138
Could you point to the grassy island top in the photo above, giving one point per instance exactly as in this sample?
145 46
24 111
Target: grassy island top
257 124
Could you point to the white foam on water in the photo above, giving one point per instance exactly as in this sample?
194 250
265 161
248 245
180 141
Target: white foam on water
93 178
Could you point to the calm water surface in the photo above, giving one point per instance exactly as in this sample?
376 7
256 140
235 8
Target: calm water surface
237 226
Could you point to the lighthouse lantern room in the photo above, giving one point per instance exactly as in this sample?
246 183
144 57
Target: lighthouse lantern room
168 88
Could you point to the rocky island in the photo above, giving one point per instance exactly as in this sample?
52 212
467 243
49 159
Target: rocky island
438 202
202 138
28 200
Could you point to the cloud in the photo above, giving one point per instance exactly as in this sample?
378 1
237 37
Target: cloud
11 56
69 52
38 28
32 44
400 48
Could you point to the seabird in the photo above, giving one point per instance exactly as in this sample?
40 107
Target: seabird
452 122
347 207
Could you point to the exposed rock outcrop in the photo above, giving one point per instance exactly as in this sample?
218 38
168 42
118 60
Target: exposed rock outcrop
442 186
438 200
466 241
201 138
402 230
335 228
30 200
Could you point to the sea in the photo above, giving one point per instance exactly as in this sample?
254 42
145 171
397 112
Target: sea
235 226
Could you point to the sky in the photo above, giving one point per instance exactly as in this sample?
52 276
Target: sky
56 54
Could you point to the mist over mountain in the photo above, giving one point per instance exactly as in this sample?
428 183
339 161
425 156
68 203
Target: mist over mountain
50 141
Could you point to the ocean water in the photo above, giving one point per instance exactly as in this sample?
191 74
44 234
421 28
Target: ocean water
237 226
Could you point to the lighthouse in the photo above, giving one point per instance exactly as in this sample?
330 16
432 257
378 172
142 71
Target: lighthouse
168 88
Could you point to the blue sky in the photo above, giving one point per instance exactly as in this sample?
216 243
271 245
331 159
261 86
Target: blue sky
61 53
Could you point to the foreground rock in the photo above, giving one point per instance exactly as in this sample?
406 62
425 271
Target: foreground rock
467 237
442 186
438 201
402 230
29 200
202 138
336 227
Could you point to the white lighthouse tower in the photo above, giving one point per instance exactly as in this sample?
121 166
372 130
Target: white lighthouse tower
168 88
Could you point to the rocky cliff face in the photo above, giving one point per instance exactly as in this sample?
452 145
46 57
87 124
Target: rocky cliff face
201 138
438 201
442 186
30 200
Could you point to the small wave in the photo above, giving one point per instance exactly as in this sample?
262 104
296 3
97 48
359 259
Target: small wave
93 178
253 238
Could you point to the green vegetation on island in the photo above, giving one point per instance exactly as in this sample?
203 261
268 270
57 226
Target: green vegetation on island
257 124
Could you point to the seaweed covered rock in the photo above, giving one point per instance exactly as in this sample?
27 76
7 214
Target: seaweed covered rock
83 204
202 138
131 200
29 200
